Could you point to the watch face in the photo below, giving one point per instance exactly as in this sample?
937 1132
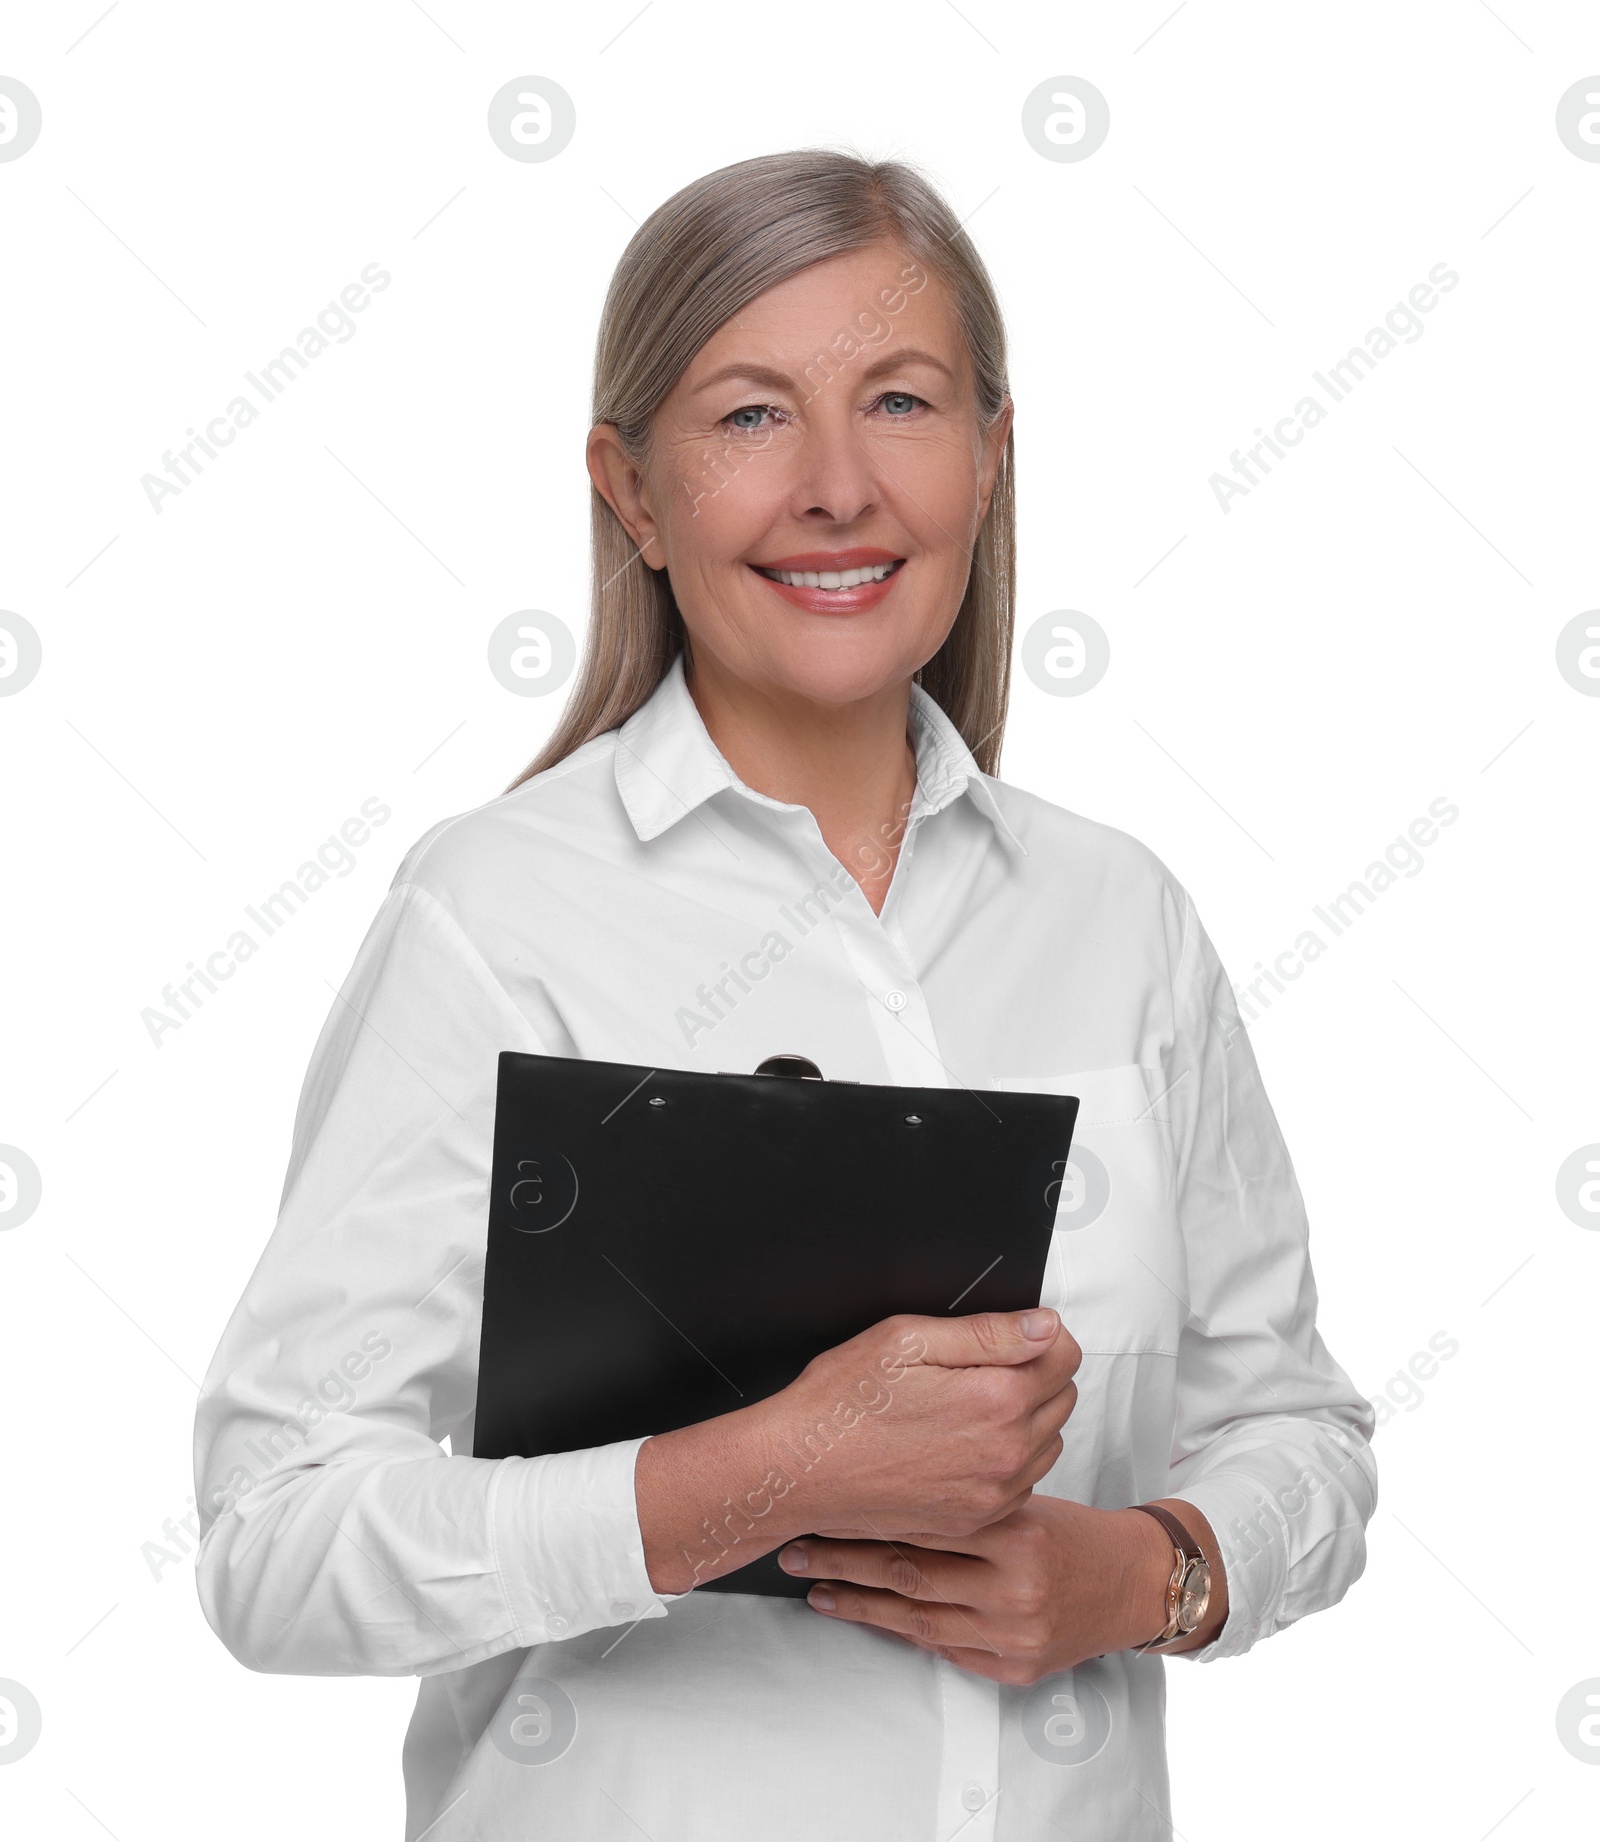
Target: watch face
1194 1596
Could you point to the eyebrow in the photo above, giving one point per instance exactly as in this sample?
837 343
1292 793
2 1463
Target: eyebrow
771 379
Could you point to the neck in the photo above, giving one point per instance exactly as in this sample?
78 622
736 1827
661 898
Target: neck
851 764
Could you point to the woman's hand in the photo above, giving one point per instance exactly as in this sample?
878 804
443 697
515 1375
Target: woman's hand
939 1425
1049 1586
942 1425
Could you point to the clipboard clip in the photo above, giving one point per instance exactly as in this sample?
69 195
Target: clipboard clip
798 1067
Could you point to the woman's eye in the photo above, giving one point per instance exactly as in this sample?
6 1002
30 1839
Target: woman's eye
899 402
753 411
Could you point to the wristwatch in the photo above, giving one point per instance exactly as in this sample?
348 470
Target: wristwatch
1189 1589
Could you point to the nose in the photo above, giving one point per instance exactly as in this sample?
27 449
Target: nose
834 481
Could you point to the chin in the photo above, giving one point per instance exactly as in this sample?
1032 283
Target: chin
839 663
840 678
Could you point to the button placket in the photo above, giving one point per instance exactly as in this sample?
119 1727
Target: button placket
970 1776
898 1009
883 961
899 1012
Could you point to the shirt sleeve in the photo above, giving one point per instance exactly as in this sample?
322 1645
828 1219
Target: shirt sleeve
338 1537
1271 1442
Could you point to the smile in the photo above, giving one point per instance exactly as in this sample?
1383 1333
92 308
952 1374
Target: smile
830 578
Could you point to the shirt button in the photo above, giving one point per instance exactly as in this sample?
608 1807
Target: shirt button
896 1000
974 1797
621 1608
556 1625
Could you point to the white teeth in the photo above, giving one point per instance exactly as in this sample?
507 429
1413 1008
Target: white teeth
830 578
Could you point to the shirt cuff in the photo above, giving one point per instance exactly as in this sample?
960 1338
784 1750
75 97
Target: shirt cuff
568 1545
1253 1537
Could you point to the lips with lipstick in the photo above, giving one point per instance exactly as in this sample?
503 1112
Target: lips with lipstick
832 581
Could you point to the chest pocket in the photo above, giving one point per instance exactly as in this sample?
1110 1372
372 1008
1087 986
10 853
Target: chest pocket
1116 1271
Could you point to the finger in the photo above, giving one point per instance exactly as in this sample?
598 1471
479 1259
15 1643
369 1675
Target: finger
985 1338
1049 1375
1060 1361
927 1623
1050 1416
1038 1469
892 1566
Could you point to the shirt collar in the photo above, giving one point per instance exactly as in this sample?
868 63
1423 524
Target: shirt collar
667 763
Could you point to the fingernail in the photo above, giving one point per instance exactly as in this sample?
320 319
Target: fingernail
1038 1324
796 1560
821 1598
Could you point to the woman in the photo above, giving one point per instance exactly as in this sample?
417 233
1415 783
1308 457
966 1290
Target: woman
768 821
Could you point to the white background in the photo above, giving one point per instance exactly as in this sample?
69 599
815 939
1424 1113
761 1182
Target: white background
1372 628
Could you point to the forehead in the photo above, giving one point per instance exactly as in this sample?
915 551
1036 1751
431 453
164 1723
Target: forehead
880 296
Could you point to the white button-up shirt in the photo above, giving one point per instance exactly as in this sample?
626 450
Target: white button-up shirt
638 903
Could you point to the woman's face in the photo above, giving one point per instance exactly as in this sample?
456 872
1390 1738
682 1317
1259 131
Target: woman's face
828 430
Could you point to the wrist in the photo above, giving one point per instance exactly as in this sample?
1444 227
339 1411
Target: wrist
709 1500
1147 1571
1197 1609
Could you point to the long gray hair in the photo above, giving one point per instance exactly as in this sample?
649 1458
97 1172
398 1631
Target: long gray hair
693 263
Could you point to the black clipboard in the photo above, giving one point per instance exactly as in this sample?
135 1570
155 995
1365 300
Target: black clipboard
729 1227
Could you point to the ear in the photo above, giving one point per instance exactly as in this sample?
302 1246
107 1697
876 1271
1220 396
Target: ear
620 483
993 446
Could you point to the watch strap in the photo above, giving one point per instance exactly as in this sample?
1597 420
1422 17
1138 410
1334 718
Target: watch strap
1187 1551
1182 1540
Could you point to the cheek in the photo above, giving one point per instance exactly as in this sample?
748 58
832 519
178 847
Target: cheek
711 501
933 489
